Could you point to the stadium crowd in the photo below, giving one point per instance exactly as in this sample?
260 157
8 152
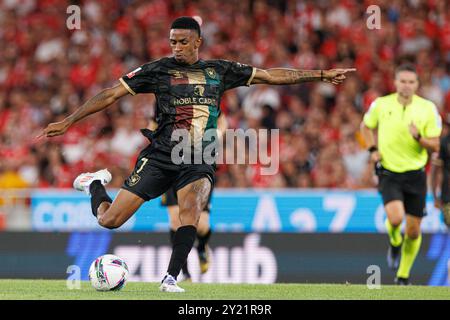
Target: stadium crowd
47 71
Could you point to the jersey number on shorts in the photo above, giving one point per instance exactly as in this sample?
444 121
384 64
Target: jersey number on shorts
144 161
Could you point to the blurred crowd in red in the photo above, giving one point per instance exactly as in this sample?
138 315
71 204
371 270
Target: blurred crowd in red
47 71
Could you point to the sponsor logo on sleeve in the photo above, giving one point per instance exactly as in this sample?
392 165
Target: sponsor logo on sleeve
133 73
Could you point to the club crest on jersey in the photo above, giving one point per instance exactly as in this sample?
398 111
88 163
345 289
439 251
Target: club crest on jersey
133 180
199 90
211 73
133 73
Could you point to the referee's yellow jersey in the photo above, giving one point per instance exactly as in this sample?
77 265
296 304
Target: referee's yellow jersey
399 151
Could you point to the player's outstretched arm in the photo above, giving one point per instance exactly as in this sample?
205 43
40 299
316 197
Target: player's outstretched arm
100 101
294 76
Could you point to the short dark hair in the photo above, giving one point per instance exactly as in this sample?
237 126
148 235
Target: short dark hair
406 67
186 23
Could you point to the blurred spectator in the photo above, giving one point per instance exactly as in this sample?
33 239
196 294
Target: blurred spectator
355 160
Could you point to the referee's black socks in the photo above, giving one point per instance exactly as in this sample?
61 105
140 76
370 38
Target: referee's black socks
98 195
183 241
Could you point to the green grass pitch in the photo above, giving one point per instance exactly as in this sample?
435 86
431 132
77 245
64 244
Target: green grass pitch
57 290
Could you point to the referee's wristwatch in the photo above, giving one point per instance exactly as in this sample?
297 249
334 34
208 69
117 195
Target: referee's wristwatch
417 137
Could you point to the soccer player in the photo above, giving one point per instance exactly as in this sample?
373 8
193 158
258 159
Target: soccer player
188 92
440 175
408 126
169 200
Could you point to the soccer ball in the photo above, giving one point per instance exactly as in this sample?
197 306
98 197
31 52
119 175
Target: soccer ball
108 273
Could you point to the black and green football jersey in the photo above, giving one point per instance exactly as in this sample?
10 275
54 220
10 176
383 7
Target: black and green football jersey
187 96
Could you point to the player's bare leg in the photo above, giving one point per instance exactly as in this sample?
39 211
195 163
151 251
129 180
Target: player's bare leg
174 217
191 200
412 229
410 248
110 214
113 215
395 212
203 223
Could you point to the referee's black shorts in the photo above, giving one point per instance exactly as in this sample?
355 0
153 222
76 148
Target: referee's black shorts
410 187
169 198
154 173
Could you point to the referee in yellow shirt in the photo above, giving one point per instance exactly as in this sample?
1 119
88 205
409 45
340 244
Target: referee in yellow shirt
408 127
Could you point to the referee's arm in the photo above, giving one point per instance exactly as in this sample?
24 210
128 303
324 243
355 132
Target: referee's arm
369 139
431 144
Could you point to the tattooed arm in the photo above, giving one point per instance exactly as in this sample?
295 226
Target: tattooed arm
100 101
293 76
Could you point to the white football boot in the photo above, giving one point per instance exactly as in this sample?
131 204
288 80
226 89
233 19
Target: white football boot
84 180
169 284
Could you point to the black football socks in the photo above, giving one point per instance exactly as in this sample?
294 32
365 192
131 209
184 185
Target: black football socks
183 241
98 195
172 236
184 268
203 241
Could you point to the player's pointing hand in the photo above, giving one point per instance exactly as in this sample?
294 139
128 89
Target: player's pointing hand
336 76
56 129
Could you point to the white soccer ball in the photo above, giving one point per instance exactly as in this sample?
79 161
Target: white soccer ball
108 273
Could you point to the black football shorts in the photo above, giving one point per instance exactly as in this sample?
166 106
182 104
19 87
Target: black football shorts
410 187
155 173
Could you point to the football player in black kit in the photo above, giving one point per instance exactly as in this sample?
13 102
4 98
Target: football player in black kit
440 173
188 92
